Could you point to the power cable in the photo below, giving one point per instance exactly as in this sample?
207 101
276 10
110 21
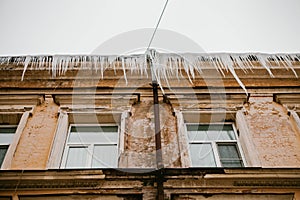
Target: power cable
154 32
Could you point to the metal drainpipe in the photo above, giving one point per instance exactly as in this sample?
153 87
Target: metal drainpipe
159 160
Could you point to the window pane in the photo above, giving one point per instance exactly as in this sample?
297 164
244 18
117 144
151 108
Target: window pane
197 136
5 198
229 155
210 132
3 150
7 134
77 157
105 156
6 138
89 137
8 129
93 134
221 135
201 127
94 128
202 155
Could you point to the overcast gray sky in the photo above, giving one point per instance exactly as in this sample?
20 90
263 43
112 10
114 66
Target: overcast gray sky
80 26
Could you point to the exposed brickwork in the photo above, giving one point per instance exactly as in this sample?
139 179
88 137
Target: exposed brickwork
169 133
272 133
35 143
140 142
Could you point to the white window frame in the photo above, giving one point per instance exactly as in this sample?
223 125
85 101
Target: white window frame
90 146
25 113
214 144
2 144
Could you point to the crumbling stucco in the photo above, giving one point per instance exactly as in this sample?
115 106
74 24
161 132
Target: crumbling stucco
272 133
35 143
140 141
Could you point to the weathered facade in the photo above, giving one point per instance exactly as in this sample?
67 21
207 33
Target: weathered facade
83 127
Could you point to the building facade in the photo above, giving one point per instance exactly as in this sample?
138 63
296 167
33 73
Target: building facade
84 127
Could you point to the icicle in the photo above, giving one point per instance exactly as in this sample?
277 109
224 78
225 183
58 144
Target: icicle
54 64
165 66
249 63
220 65
26 62
240 62
41 62
36 62
142 63
59 65
110 60
65 66
83 62
87 62
215 64
186 69
289 64
229 65
16 61
155 71
77 61
263 59
277 60
101 67
198 65
47 61
94 63
8 60
189 59
31 62
124 71
132 65
170 69
179 64
174 66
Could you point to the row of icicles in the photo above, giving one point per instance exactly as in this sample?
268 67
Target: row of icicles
165 65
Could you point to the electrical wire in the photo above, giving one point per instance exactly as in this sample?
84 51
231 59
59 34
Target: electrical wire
154 32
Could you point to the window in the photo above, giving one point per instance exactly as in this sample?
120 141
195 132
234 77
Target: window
214 145
91 146
6 137
92 134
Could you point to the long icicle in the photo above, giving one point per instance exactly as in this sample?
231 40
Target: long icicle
26 62
263 59
124 71
227 61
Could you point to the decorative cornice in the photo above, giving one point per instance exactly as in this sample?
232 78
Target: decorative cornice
268 183
174 179
21 99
